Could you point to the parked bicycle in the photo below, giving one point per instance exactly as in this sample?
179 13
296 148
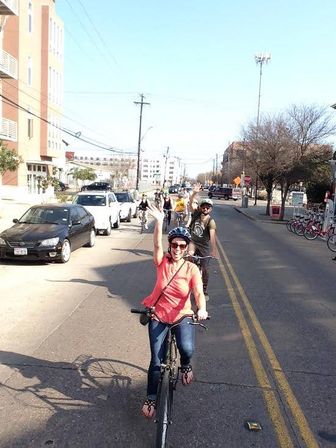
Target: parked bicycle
169 374
331 242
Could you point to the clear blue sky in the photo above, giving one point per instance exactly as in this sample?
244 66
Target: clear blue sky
194 61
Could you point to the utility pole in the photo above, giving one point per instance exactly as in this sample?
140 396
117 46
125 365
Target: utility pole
139 138
260 58
165 168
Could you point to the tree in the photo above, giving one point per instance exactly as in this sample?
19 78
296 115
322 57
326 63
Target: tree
309 127
267 151
288 148
9 160
84 174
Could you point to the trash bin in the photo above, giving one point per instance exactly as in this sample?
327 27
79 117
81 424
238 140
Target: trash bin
245 201
275 211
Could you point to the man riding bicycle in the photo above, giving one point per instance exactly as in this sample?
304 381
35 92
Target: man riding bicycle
203 234
180 209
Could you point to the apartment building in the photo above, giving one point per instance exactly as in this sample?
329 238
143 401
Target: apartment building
118 168
31 85
157 170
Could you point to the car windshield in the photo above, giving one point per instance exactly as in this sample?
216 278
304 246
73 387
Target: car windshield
93 200
44 215
122 197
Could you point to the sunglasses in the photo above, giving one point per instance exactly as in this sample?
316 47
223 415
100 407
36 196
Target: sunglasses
180 245
206 206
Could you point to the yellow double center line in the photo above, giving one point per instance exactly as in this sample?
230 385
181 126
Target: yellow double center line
270 397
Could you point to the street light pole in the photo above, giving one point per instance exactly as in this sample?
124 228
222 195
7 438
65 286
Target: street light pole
165 168
260 58
139 138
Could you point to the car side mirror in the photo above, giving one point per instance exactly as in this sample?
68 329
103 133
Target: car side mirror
76 222
15 220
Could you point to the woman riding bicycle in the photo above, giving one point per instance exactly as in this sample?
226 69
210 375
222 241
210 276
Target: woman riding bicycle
143 208
171 304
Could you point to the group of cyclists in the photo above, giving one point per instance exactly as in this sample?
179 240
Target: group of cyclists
182 206
177 277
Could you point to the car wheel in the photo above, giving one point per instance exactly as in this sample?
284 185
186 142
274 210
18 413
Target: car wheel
108 229
92 239
65 251
117 223
129 217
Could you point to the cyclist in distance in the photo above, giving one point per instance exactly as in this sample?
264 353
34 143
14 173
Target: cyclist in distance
176 279
203 233
143 207
157 197
168 206
180 207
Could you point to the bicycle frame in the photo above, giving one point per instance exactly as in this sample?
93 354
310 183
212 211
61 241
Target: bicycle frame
179 217
169 374
143 220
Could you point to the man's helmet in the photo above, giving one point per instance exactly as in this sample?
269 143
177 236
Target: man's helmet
206 201
179 232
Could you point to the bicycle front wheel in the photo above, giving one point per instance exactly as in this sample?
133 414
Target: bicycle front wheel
163 407
331 243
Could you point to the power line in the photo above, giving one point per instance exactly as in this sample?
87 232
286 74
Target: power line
97 32
66 131
52 108
86 31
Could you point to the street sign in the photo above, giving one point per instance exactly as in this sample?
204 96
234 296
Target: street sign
236 180
297 198
247 180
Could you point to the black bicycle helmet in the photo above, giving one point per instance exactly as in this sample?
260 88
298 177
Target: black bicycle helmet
179 232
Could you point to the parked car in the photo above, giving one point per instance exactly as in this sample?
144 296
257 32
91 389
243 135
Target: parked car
128 206
174 189
48 232
97 186
221 193
103 205
61 186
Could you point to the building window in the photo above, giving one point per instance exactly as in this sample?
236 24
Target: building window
30 128
30 69
30 17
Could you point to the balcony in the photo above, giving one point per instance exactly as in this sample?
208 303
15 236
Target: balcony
9 7
8 130
8 65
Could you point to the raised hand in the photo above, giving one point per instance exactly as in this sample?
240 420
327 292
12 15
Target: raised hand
197 188
155 212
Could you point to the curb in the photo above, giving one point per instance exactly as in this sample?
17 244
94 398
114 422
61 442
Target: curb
266 221
245 214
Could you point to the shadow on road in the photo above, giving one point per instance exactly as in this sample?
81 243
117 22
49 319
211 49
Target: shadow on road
90 402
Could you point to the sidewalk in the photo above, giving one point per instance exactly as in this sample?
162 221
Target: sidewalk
258 212
10 209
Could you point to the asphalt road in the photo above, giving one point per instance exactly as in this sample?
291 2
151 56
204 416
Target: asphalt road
73 359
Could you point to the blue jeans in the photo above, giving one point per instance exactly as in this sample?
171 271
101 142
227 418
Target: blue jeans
185 340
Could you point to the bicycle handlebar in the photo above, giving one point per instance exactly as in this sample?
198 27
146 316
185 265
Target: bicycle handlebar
198 257
150 311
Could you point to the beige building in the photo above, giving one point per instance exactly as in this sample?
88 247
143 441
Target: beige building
31 85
